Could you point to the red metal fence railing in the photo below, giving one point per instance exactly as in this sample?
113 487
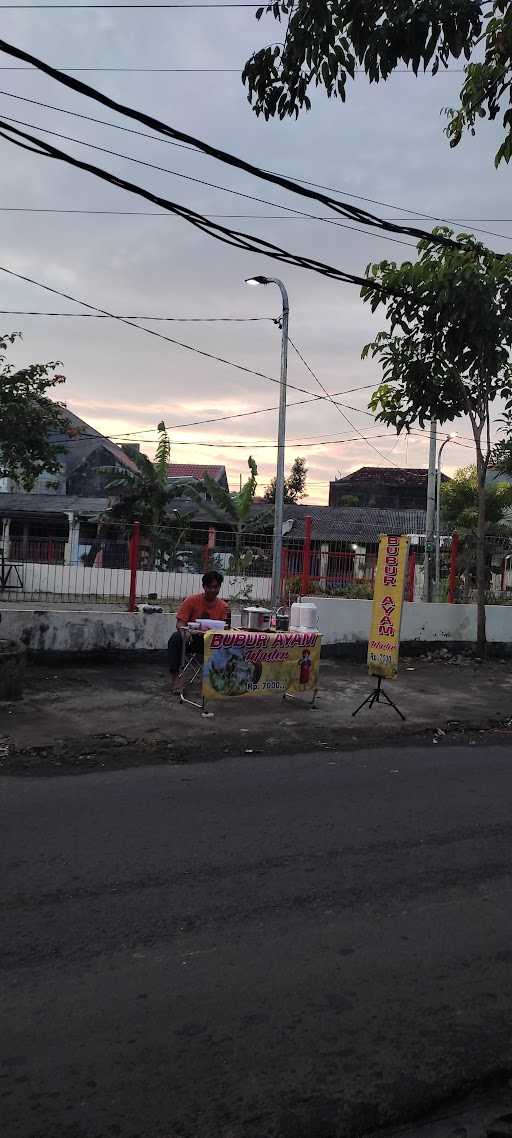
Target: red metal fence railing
123 568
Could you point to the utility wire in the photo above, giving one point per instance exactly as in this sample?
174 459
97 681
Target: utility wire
233 237
72 7
246 216
351 212
337 406
239 415
155 138
224 445
169 319
159 335
199 181
209 355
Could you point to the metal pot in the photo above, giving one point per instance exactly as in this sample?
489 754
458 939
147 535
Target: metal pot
282 620
256 619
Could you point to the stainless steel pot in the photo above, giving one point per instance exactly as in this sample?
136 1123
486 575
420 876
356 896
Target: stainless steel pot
255 619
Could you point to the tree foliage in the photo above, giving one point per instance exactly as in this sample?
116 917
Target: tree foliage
145 495
446 351
487 88
459 504
501 454
235 508
29 419
294 485
326 42
460 511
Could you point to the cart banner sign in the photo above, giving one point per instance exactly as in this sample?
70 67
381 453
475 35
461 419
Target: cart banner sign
260 663
388 595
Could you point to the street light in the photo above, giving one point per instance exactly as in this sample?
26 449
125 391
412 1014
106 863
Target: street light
448 439
281 437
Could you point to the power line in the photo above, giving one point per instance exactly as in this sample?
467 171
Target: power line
182 146
224 444
159 335
237 239
66 7
344 208
246 216
199 181
238 415
203 70
169 319
336 405
209 355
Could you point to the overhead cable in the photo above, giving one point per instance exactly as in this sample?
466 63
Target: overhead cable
420 214
199 181
159 335
168 319
233 237
347 210
336 405
84 7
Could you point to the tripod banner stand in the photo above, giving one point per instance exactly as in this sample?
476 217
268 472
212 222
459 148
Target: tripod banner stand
388 596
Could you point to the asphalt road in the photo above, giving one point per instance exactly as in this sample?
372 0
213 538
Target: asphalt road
300 946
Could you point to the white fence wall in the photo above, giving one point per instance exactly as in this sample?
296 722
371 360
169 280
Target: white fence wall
341 622
68 581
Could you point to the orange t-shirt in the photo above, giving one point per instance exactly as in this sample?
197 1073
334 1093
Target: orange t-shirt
198 608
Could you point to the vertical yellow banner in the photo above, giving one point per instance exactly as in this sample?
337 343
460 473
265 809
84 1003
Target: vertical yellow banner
388 595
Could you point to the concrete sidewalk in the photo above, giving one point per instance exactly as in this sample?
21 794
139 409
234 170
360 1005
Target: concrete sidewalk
87 715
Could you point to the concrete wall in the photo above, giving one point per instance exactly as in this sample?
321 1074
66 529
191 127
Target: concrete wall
341 622
348 622
75 630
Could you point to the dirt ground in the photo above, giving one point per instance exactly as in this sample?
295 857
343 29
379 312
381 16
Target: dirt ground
91 714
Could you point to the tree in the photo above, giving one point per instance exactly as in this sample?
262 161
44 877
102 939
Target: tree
501 454
145 495
488 83
326 42
232 507
447 349
31 424
294 485
459 505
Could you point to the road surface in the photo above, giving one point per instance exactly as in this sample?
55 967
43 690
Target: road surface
298 946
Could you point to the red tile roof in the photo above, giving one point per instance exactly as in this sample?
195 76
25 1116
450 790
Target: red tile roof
193 470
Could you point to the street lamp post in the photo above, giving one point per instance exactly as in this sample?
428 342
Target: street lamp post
281 439
448 439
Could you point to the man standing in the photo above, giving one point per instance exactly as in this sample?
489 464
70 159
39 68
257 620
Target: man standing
200 606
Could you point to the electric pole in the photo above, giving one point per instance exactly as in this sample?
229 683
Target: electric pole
431 509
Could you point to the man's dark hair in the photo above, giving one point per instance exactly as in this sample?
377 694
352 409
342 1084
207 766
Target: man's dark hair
212 577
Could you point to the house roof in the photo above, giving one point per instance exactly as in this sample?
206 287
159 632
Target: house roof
330 523
353 523
79 447
194 470
399 476
35 504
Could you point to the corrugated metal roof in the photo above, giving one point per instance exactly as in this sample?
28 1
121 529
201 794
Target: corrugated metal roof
35 504
354 523
330 523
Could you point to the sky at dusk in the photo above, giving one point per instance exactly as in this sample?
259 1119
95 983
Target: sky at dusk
386 144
